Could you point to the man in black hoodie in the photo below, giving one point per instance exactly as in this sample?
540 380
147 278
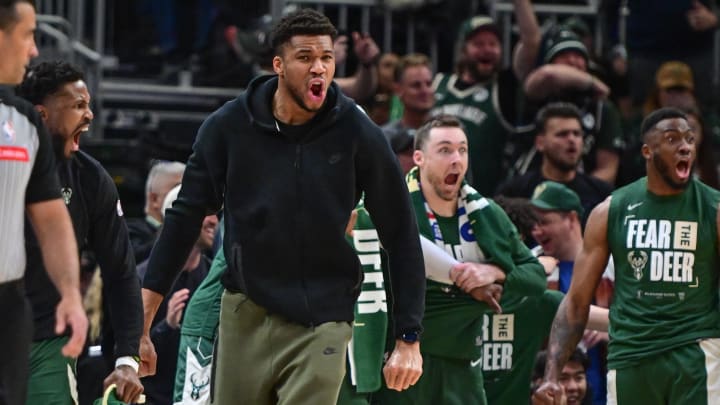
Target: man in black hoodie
289 160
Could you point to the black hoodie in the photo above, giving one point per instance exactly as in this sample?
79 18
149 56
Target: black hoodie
287 200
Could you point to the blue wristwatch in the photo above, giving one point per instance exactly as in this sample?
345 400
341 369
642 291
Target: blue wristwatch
410 337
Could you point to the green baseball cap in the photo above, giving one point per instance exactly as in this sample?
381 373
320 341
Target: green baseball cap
557 40
477 23
553 196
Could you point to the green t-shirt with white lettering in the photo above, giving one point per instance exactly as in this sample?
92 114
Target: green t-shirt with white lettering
510 342
666 270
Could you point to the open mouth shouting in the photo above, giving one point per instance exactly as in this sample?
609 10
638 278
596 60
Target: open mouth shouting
316 93
683 169
76 136
451 179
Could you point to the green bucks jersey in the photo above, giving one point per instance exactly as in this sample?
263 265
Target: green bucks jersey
476 107
202 314
452 318
666 270
510 342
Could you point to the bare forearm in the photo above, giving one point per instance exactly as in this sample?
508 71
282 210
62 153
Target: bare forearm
527 22
526 52
551 78
361 85
567 330
151 302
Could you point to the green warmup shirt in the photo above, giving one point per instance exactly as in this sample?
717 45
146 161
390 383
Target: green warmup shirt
510 342
453 319
487 136
666 270
202 315
367 346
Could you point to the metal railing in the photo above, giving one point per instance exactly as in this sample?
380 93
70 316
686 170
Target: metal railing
502 11
60 25
369 9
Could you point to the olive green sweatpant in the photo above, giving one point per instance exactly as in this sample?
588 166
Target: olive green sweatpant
264 358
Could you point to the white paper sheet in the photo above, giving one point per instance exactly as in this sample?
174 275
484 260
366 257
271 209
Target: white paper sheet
437 262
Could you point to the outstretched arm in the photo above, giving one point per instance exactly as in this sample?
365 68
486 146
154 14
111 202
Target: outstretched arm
362 85
526 50
552 78
572 316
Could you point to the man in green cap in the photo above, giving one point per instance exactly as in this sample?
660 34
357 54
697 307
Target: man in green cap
512 339
475 93
561 73
559 233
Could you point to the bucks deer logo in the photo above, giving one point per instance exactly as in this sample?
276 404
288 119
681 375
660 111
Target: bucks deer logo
197 386
637 262
66 194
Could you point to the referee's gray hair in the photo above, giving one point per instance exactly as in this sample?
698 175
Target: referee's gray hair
162 169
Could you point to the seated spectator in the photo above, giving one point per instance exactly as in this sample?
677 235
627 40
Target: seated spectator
413 87
162 178
385 105
572 379
361 85
165 332
559 142
562 75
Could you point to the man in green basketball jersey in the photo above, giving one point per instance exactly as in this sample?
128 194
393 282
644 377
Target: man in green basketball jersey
478 234
662 231
476 91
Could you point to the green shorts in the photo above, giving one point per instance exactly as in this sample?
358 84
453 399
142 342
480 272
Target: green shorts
688 375
192 377
444 381
52 375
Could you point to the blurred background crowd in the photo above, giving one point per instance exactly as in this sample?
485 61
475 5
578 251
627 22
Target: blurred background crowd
157 68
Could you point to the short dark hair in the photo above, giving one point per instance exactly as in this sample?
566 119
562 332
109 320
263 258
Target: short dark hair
305 21
556 110
440 121
47 78
577 356
8 12
520 212
408 61
656 116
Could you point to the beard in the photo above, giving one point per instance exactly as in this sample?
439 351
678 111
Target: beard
438 186
297 95
561 164
58 145
471 67
664 170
